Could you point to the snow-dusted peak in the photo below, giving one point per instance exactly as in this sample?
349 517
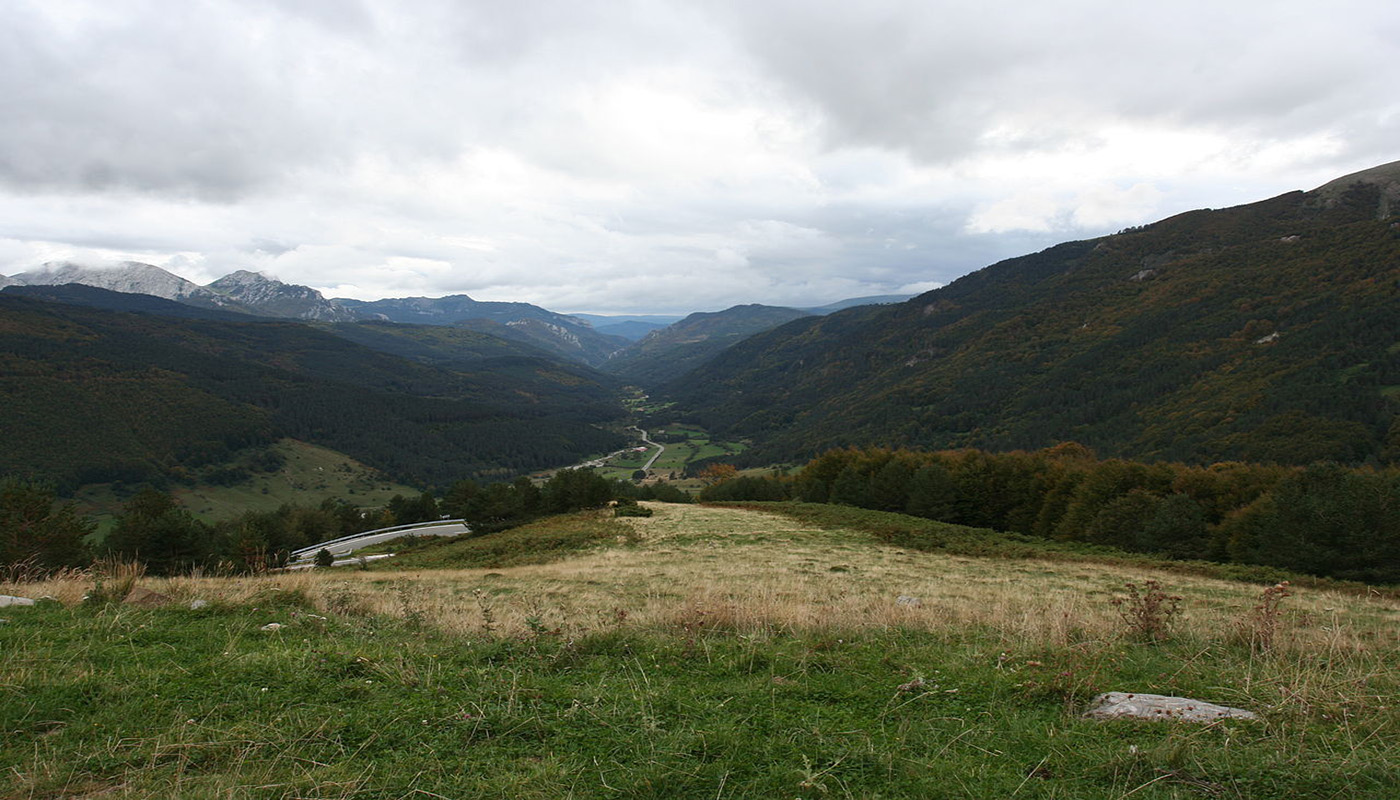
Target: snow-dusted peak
132 277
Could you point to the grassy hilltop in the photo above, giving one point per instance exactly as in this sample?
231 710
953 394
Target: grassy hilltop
711 652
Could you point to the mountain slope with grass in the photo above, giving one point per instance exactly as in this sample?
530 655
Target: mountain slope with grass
702 652
1265 332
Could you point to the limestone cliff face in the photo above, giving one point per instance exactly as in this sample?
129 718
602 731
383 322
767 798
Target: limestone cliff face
244 291
131 277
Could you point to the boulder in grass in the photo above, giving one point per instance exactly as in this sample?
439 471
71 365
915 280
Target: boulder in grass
141 596
1125 705
11 600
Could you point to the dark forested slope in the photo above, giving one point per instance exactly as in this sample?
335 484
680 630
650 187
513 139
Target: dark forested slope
668 353
1264 332
95 395
559 334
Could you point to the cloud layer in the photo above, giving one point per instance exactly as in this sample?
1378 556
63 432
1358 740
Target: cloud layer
656 155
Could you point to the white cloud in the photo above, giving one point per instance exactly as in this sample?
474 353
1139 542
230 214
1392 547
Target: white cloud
659 156
1031 210
919 287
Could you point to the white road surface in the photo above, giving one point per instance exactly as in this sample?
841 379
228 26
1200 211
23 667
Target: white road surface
348 544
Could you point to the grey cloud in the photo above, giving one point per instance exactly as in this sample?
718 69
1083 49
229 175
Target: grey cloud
77 234
145 102
219 100
269 247
932 79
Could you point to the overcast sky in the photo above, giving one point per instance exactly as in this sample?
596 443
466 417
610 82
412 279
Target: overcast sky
658 155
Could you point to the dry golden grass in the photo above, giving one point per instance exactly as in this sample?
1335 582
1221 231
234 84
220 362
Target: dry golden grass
740 569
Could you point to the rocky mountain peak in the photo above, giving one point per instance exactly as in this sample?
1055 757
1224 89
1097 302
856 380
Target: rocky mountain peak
270 296
244 277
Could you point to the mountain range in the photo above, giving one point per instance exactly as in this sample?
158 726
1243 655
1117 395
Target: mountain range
561 334
572 337
1265 332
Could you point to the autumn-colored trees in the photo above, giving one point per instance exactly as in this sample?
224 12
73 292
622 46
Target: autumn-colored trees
1324 519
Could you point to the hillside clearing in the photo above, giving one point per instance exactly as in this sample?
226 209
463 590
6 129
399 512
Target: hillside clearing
702 652
763 571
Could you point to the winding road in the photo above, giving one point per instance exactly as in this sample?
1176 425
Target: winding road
660 448
345 544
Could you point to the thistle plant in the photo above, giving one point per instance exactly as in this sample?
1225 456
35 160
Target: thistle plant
1148 610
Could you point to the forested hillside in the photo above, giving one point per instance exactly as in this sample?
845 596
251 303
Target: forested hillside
93 395
1267 332
668 353
558 334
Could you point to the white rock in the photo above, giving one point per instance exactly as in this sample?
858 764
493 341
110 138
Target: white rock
272 626
195 605
1125 705
11 600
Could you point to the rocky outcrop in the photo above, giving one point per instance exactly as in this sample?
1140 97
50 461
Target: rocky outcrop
242 291
264 295
1386 179
1125 705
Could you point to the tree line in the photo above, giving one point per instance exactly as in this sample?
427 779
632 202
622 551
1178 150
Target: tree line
39 530
1323 519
